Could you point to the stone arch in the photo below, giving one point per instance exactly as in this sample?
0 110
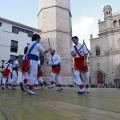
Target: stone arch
106 13
94 49
115 23
98 75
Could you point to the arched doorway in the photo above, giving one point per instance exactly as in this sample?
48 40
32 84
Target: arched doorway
99 77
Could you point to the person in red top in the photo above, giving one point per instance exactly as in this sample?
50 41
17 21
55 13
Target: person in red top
39 78
7 73
80 53
24 81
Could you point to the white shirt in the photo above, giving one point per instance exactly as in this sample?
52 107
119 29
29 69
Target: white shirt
16 63
55 59
9 67
82 51
37 49
39 62
24 57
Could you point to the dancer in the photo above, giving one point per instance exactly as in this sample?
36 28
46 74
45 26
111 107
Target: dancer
80 53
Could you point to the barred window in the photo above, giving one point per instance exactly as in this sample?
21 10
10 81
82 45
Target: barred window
14 46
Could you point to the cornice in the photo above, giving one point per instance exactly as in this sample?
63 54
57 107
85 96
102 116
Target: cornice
108 31
112 51
19 24
56 31
55 6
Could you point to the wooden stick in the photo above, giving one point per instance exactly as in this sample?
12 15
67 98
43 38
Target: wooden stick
86 45
49 43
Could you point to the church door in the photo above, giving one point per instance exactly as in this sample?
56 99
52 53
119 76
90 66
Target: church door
99 78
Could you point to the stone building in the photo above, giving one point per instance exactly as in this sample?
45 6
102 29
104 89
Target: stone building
54 19
105 50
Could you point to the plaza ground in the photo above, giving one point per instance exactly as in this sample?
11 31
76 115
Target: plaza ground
49 104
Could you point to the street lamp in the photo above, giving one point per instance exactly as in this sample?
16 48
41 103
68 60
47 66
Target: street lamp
3 64
104 76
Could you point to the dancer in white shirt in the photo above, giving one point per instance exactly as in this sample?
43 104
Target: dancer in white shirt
33 52
54 62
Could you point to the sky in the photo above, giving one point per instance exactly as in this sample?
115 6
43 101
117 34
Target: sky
85 14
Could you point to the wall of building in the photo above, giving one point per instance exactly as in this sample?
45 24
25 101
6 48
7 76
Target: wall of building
6 36
109 43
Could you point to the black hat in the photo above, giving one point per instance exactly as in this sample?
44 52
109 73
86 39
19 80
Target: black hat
75 37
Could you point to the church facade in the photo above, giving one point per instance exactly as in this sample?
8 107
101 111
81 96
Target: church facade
105 50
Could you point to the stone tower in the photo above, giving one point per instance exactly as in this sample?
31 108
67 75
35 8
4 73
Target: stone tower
108 16
54 19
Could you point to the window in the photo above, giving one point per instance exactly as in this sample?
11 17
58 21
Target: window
30 33
97 51
0 24
115 23
14 46
12 57
17 29
106 13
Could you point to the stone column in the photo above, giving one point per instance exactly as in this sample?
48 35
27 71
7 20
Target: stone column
54 19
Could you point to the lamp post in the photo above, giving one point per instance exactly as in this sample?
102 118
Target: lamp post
104 76
112 75
3 64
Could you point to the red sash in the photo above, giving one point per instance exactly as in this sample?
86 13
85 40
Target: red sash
6 72
79 63
25 65
56 70
39 73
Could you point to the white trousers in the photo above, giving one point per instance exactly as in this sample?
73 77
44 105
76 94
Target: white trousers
32 74
5 79
14 78
85 77
24 76
54 76
40 80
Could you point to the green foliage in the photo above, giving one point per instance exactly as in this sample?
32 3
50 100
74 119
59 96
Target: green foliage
2 71
93 86
71 86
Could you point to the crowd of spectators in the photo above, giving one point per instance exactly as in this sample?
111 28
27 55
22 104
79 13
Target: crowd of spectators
106 85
